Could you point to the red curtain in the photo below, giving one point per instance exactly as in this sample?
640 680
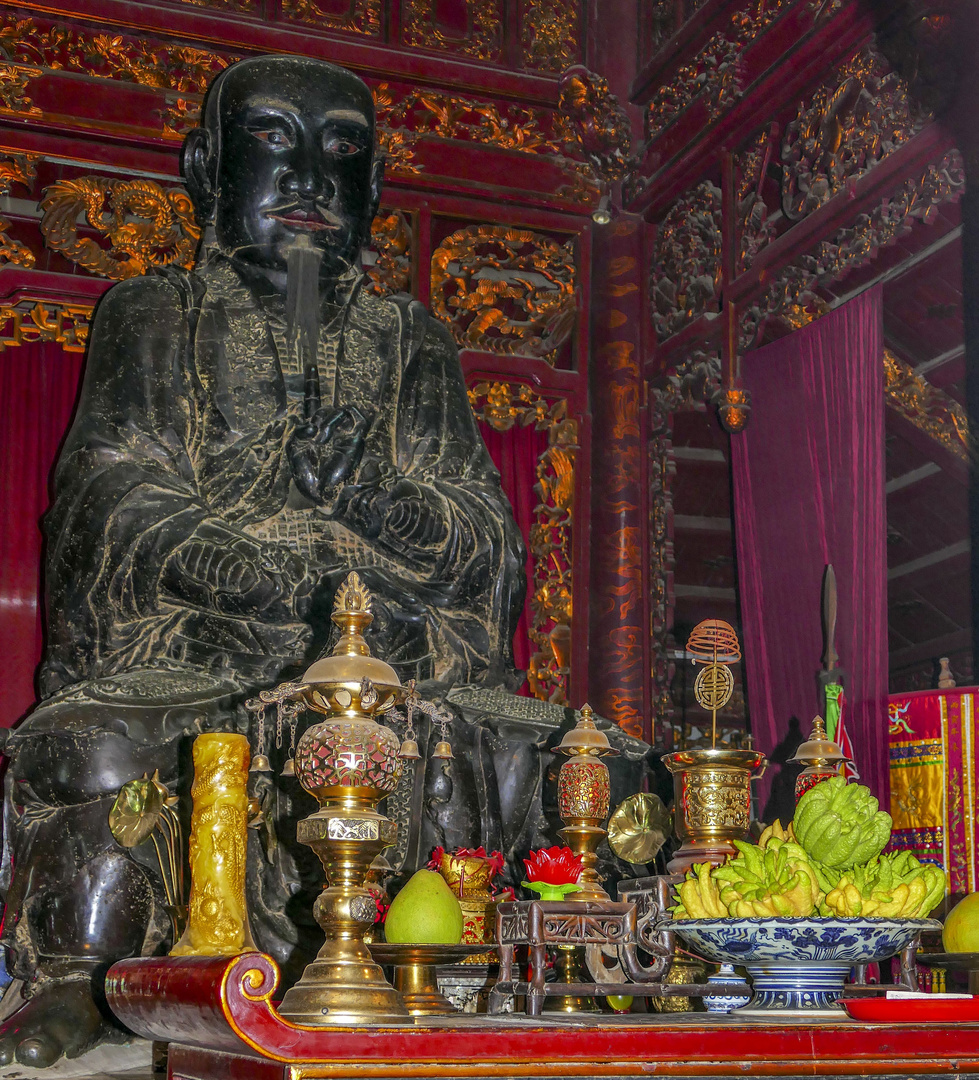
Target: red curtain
809 490
38 389
515 453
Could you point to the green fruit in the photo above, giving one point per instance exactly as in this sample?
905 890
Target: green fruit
619 1003
840 825
961 930
425 912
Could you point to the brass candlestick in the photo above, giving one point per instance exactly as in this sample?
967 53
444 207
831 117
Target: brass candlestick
348 762
583 803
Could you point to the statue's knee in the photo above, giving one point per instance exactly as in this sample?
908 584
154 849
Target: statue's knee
103 911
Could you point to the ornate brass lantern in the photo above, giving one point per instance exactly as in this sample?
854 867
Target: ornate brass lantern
348 762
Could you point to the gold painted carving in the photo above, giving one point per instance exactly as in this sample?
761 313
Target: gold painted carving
109 56
714 73
13 89
217 922
716 798
224 5
931 410
33 320
483 39
390 272
362 16
686 274
792 295
662 472
848 125
756 227
502 405
549 34
597 121
16 169
146 225
505 290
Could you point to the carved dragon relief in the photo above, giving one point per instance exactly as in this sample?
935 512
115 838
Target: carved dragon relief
144 224
505 290
686 271
850 124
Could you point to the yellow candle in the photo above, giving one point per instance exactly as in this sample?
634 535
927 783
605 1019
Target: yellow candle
217 922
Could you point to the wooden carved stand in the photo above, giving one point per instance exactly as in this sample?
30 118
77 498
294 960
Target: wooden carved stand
221 1023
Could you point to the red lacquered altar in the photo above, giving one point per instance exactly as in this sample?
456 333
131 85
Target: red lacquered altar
219 1018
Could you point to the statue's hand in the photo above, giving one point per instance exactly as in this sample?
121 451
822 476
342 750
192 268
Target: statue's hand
236 576
400 511
326 449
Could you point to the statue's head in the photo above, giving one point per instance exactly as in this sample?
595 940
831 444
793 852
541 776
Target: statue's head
285 153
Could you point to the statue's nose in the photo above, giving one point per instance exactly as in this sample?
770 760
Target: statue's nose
308 183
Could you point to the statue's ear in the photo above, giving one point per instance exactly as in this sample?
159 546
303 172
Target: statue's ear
196 166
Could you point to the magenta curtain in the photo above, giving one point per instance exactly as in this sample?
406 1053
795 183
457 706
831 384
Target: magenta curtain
809 490
38 388
515 453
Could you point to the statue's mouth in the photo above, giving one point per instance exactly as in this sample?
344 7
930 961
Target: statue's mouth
307 220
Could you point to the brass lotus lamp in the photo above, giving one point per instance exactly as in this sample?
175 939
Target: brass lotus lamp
348 762
583 799
821 756
712 786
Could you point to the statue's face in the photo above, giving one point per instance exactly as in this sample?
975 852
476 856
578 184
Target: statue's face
295 161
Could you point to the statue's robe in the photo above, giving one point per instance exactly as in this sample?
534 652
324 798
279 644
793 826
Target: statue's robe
189 400
197 432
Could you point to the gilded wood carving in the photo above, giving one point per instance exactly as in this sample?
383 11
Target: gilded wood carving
505 290
503 405
144 224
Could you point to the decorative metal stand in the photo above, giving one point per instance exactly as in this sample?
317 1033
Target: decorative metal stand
540 923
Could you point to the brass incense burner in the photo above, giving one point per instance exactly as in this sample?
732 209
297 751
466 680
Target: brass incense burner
348 762
712 787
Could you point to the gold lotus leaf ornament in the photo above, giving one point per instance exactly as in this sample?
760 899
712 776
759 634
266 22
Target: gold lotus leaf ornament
136 811
638 828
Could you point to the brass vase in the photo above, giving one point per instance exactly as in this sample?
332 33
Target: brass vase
712 802
470 877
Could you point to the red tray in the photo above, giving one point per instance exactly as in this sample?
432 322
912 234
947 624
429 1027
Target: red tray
914 1010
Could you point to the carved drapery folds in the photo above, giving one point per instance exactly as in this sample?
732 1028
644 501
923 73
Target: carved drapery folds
549 34
482 38
850 124
686 273
598 122
503 405
16 169
930 409
505 290
362 16
144 224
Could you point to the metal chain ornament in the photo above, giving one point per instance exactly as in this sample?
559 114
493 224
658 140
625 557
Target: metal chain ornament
260 762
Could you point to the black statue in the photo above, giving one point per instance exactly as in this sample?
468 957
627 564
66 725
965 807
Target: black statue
248 433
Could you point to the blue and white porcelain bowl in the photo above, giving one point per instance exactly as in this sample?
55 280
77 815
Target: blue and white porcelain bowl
797 963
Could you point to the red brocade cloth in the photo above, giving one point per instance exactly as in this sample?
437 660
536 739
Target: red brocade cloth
933 779
38 389
809 490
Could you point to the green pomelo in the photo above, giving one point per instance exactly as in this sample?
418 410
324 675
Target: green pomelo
425 912
961 930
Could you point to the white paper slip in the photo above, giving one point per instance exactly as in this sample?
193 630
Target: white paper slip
912 994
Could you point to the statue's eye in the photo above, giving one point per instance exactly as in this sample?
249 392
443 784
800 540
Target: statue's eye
343 147
272 136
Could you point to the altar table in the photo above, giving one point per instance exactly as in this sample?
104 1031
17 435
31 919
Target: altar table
221 1024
